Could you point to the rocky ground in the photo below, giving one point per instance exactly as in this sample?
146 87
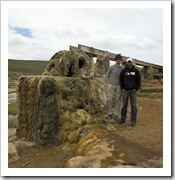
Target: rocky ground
111 145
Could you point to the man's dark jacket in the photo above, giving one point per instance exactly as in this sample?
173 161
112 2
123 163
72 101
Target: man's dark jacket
130 78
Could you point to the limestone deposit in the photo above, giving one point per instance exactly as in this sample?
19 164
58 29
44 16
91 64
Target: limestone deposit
57 104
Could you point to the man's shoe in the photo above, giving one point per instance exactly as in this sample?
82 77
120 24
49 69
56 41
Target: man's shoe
109 119
116 118
133 123
121 122
109 116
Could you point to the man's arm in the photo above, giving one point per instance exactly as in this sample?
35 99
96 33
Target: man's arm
108 74
138 80
121 79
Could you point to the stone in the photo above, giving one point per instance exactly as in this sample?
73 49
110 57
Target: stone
48 104
53 107
70 63
12 153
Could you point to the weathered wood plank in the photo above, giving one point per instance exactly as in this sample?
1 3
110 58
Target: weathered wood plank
95 52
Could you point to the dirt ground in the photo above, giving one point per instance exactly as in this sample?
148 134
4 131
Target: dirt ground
142 144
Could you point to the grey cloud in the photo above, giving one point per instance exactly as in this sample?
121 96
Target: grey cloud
125 30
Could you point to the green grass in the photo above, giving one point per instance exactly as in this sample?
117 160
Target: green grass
12 108
17 68
27 66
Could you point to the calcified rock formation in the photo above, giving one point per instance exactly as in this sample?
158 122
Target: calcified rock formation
102 65
52 108
70 63
76 63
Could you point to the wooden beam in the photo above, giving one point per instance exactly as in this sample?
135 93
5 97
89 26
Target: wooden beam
95 52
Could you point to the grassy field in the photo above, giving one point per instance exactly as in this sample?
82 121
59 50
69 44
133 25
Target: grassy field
17 68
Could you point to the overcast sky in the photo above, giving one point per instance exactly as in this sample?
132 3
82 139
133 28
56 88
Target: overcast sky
38 33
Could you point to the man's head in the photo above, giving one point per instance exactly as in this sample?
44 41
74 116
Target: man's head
118 57
129 62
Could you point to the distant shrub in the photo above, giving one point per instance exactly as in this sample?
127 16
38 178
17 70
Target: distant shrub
12 108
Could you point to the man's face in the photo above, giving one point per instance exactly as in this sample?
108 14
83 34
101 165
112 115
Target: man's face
118 61
129 63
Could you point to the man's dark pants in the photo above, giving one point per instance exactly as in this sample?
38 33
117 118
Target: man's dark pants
132 94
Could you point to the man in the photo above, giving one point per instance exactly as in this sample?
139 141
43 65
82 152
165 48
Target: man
130 81
114 89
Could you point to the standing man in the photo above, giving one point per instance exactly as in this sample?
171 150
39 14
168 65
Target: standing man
114 89
130 82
